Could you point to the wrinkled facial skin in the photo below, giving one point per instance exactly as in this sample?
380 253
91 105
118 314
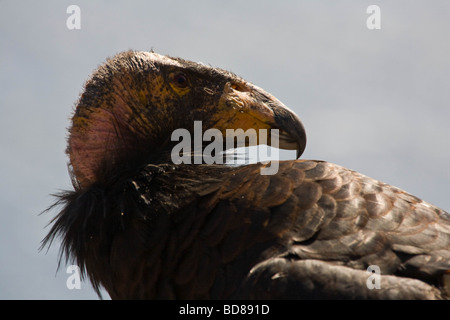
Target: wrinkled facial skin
133 103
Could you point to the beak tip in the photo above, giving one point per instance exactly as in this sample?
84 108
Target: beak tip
300 149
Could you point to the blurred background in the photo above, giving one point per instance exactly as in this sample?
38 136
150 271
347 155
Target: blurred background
376 101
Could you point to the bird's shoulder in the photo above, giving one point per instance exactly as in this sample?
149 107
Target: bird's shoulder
311 215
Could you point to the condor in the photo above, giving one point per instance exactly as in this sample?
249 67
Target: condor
143 227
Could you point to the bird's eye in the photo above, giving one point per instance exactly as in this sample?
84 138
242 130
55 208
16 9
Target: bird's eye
180 80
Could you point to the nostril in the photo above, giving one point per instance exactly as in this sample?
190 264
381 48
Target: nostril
239 87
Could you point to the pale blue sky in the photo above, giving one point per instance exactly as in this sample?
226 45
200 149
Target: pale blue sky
376 101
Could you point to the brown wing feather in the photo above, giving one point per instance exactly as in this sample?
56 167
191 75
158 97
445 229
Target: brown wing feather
310 231
244 232
347 219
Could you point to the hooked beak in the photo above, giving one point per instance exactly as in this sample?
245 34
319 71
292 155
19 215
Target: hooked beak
245 106
292 135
